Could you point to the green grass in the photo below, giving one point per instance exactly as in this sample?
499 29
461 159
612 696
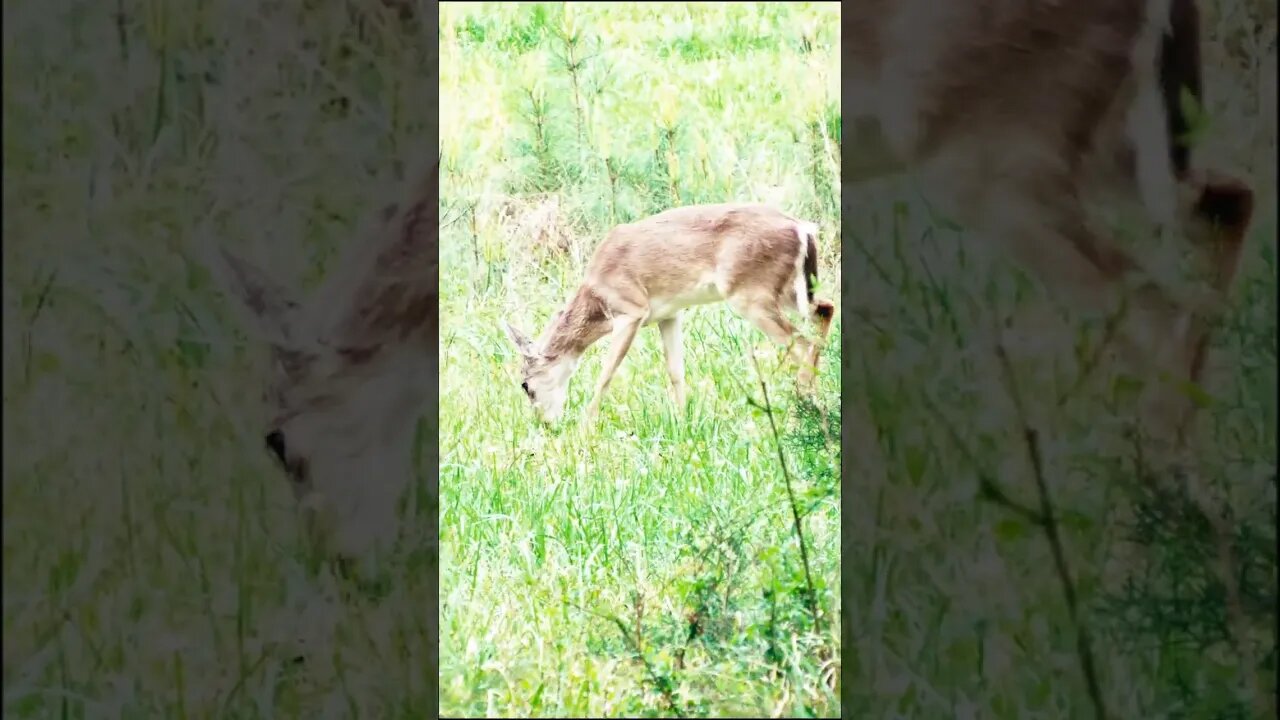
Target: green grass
573 557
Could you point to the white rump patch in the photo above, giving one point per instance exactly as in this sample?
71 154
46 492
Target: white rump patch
804 231
1146 124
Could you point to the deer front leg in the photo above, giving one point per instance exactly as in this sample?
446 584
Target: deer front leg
673 349
624 331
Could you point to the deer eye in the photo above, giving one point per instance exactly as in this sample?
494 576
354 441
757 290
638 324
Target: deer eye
275 442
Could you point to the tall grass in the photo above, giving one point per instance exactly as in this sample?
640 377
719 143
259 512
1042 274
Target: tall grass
151 564
649 563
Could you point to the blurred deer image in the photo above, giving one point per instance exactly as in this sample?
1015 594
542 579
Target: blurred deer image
1019 117
353 364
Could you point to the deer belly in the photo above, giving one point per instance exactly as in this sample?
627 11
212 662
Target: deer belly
662 308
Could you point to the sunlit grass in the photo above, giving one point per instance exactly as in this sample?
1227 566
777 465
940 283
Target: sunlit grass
577 559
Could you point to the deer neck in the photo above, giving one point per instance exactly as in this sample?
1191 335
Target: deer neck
577 326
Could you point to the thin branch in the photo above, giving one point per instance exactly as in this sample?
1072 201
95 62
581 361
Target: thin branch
1084 645
791 496
1109 334
988 488
992 492
662 684
28 332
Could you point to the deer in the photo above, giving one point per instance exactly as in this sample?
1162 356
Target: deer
1020 117
760 261
353 369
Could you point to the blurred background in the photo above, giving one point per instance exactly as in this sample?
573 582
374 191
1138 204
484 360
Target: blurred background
955 607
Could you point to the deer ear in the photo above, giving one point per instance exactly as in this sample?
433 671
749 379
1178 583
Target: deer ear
393 296
519 339
267 306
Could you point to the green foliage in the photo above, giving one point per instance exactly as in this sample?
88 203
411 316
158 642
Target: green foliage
647 565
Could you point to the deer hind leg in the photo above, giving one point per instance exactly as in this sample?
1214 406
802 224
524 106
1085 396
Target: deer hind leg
624 331
823 311
673 350
766 314
1221 214
1217 221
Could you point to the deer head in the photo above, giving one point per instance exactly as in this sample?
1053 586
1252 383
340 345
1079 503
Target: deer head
544 374
352 366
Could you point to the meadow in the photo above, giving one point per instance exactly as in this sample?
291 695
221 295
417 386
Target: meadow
648 563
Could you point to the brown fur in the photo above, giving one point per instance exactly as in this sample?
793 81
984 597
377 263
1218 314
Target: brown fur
583 321
663 254
399 298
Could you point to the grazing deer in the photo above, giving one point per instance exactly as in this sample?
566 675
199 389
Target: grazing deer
757 259
1018 114
354 365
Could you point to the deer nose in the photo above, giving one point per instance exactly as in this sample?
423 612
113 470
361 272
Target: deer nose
275 441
